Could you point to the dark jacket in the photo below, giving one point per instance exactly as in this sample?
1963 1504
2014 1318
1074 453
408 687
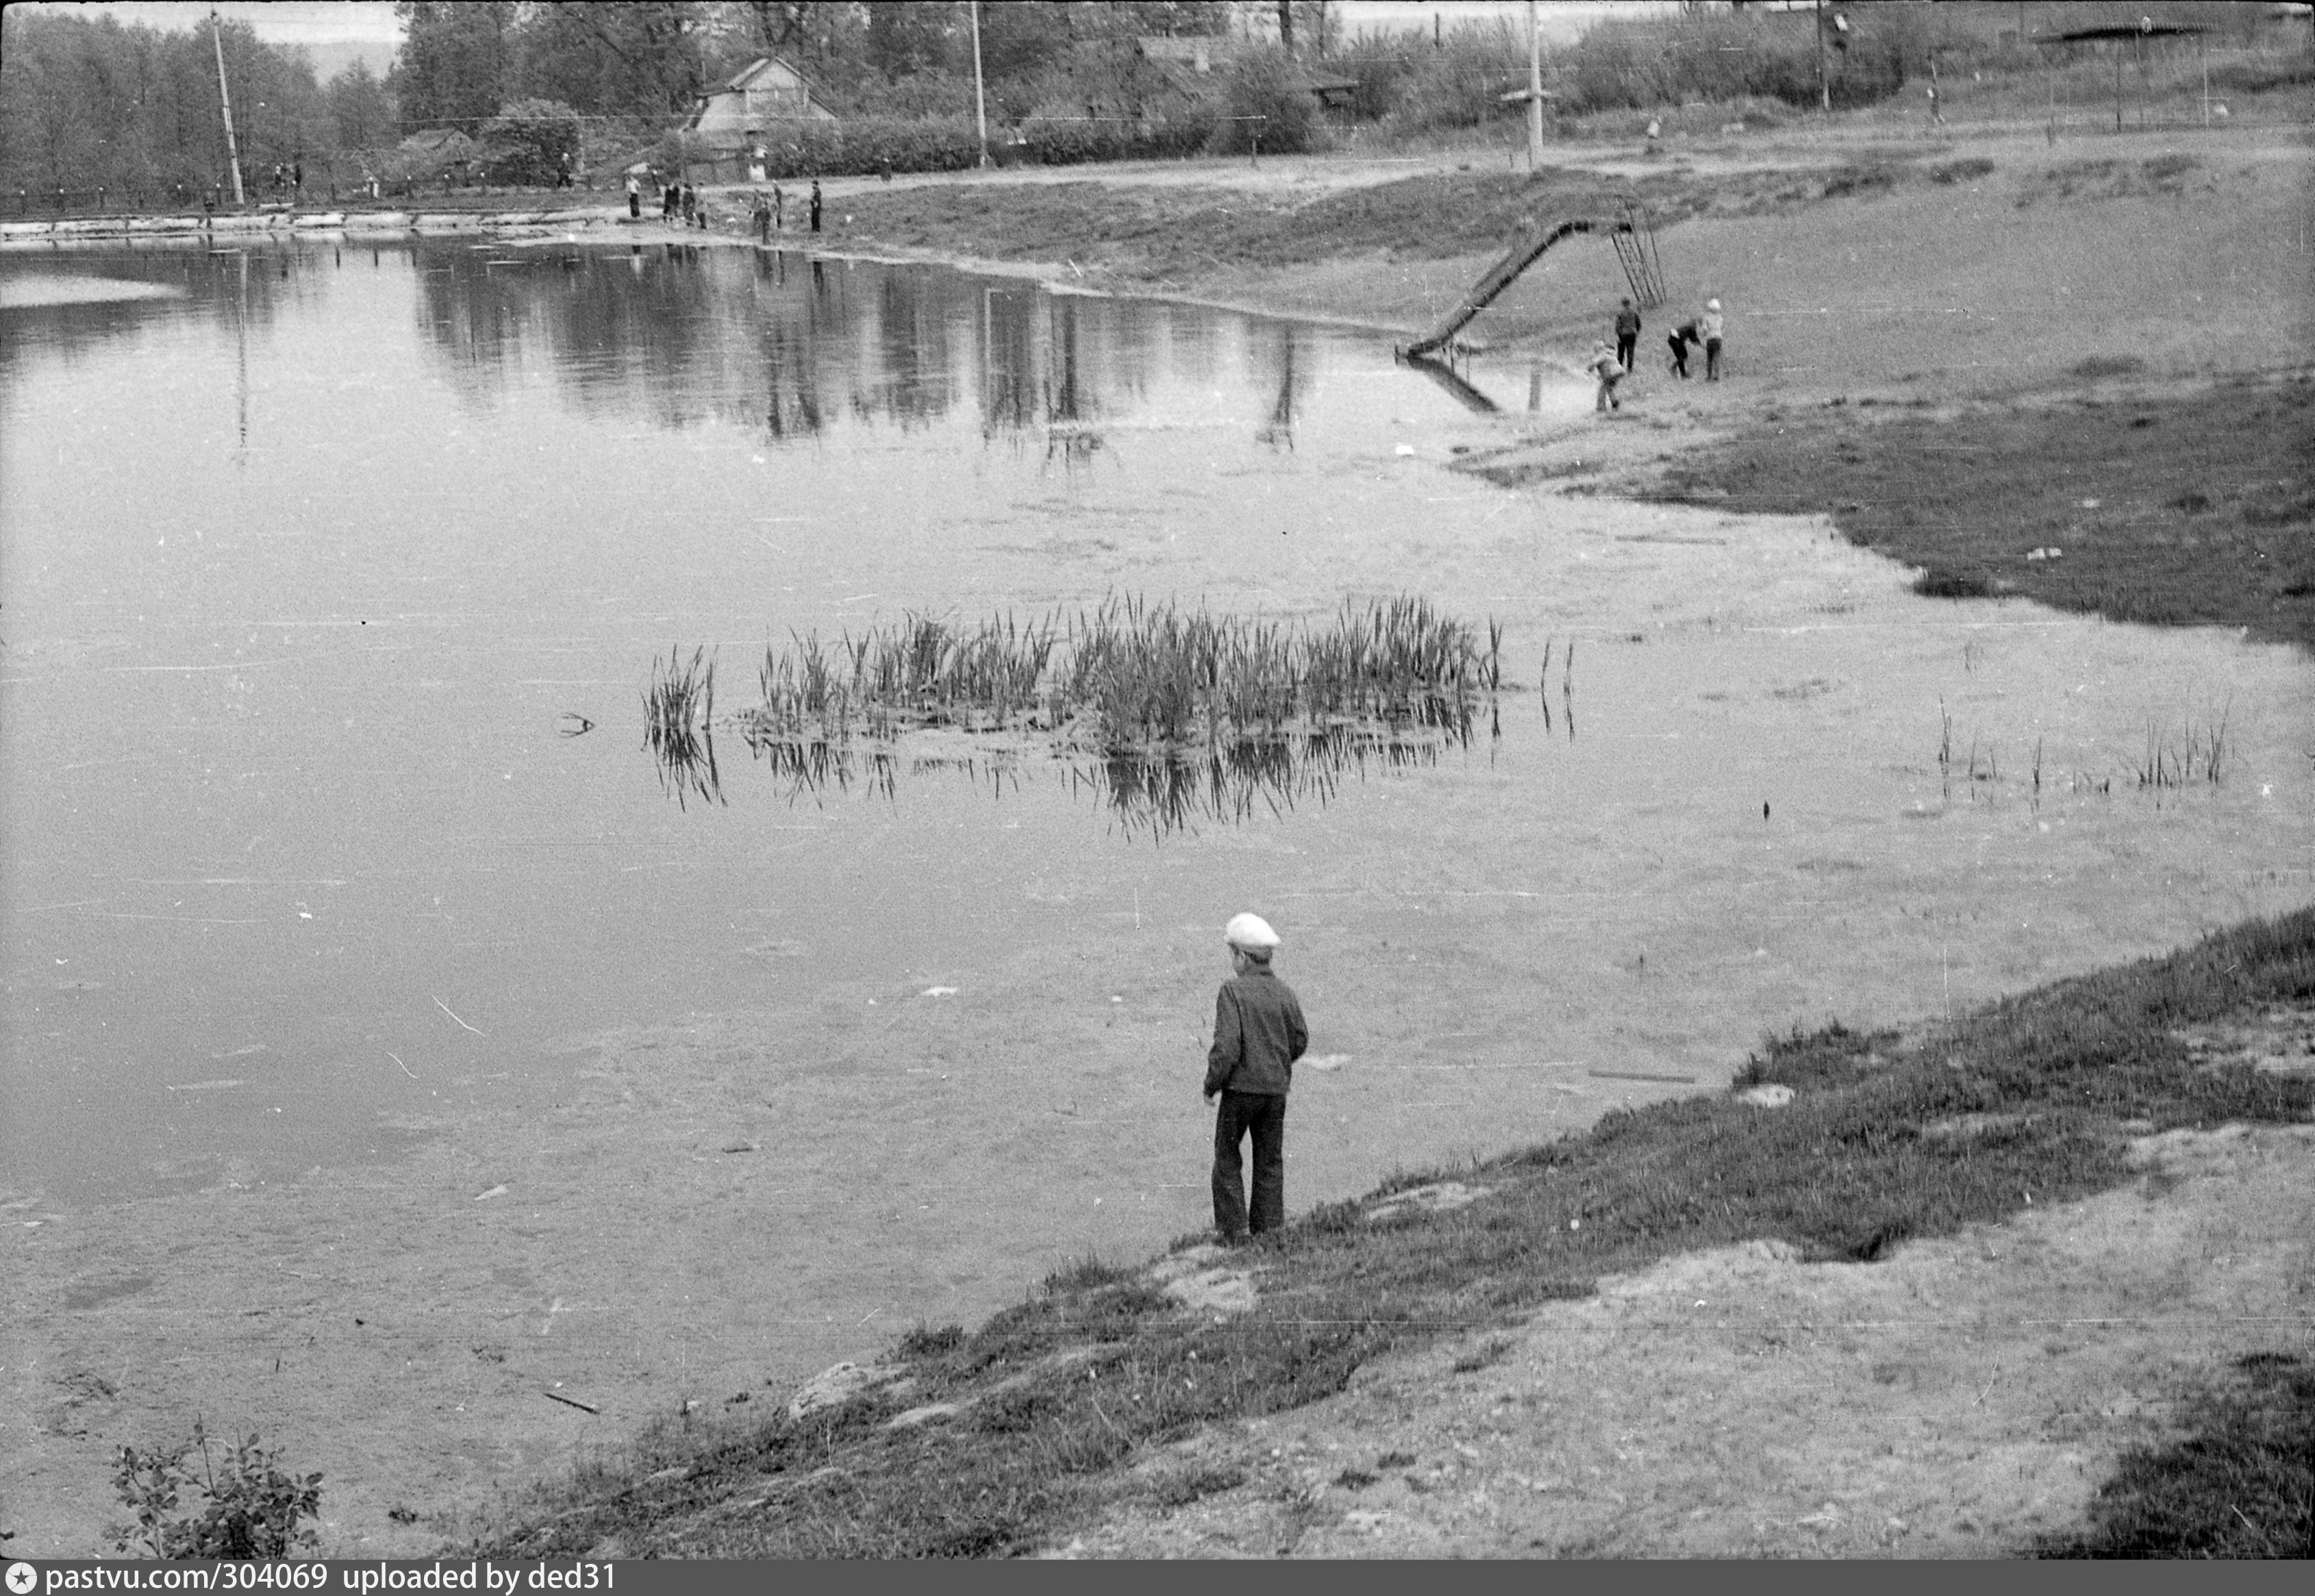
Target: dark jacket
1628 323
1258 1034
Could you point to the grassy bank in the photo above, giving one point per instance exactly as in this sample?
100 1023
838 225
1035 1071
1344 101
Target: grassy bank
2179 510
998 1440
1176 235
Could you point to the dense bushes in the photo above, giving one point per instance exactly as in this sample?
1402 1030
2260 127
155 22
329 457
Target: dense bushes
871 144
532 141
1458 84
866 145
1070 143
1712 59
1266 107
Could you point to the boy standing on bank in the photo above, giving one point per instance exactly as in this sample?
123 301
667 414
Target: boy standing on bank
1258 1034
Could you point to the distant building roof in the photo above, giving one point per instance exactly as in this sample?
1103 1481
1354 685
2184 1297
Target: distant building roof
767 89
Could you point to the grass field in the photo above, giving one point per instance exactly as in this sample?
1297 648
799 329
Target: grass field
2167 510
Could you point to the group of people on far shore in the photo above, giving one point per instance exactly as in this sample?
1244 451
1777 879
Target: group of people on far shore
679 202
1611 364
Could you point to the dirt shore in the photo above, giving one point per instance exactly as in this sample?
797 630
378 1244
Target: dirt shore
1958 1400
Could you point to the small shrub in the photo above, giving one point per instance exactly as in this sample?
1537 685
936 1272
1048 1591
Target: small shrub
1951 584
926 1342
1860 180
1953 171
1181 1489
254 1510
2165 172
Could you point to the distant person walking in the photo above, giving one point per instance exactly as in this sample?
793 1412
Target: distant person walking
634 198
1258 1034
1683 337
761 217
690 203
1628 334
1609 370
815 205
1709 324
779 209
670 199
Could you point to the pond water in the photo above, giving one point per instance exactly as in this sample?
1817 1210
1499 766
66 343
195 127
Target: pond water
319 556
334 576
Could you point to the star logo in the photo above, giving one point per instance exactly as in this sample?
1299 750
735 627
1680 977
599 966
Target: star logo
22 1578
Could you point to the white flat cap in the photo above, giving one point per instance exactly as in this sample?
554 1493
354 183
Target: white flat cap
1250 932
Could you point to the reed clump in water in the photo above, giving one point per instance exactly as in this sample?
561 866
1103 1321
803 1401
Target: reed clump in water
2198 753
1133 675
679 724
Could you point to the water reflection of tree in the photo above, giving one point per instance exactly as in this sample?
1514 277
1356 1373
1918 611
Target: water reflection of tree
793 344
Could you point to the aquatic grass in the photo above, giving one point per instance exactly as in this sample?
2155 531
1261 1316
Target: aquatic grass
2196 752
679 725
1168 715
1133 674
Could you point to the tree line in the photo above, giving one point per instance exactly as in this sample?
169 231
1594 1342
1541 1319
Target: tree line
90 105
529 90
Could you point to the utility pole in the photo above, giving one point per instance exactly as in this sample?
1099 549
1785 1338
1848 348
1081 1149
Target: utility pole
980 94
1823 91
1534 88
225 99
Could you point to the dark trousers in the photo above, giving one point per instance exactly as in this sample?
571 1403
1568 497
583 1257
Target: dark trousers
1628 344
1712 359
1262 1115
1678 354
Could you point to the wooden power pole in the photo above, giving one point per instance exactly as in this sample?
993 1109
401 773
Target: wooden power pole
225 99
1823 90
1534 89
979 94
